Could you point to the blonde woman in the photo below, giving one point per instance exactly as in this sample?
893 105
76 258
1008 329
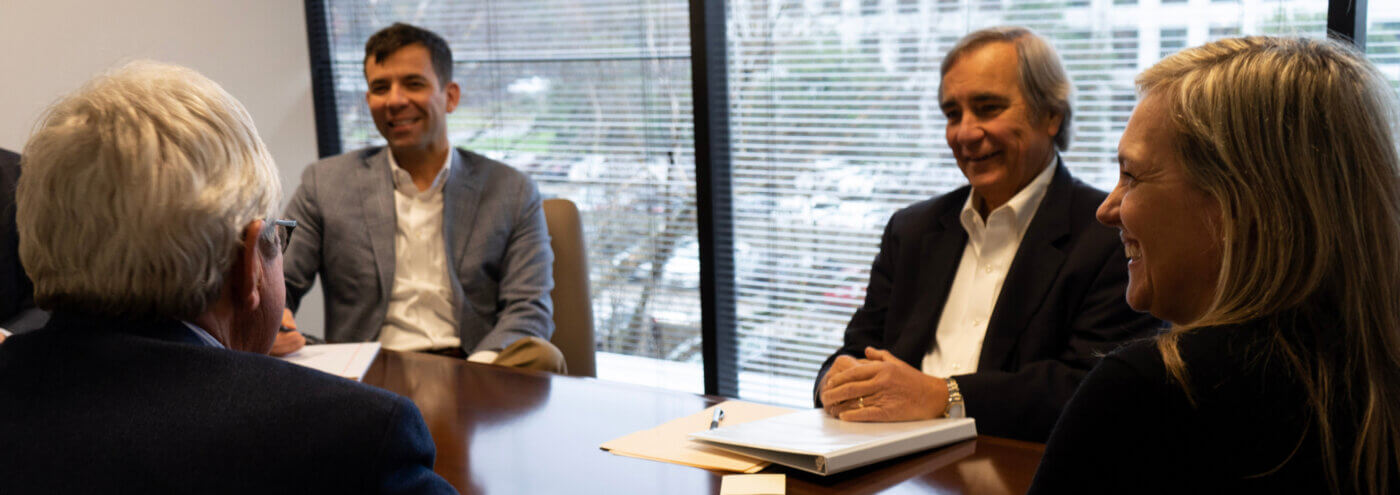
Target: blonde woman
1259 209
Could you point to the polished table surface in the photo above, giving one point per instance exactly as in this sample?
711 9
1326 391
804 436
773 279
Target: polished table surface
499 430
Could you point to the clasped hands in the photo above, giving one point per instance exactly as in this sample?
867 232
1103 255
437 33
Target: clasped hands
881 388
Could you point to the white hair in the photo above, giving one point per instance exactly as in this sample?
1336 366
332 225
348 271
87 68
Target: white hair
135 190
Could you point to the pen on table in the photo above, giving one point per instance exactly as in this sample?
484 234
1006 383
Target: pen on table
714 421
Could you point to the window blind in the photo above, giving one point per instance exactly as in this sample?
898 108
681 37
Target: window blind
836 125
593 100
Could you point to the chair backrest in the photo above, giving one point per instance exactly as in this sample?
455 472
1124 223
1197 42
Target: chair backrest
573 302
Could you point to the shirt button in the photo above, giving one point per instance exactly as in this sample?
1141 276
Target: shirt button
987 268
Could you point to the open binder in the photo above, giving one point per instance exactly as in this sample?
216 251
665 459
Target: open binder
812 441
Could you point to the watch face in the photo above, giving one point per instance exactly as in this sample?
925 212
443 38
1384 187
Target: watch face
955 410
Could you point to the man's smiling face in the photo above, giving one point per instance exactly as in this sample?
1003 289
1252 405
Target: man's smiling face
409 104
999 143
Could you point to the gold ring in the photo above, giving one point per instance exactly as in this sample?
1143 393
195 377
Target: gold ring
861 402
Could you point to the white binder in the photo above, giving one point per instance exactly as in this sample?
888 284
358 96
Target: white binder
812 441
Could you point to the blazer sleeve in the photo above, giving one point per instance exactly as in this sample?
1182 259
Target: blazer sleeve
527 277
303 257
405 460
1025 403
868 324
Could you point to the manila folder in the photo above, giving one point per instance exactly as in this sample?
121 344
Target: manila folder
813 441
668 442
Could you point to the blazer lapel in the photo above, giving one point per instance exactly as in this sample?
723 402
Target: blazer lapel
1033 271
377 188
941 251
459 202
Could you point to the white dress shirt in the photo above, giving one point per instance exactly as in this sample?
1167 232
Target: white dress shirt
420 314
991 246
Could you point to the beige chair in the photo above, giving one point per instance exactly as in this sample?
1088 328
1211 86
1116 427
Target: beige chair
573 304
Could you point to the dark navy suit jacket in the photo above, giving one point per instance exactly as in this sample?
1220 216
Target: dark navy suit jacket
92 405
1061 307
17 311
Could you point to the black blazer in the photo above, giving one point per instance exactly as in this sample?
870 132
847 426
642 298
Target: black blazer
89 405
17 311
1061 307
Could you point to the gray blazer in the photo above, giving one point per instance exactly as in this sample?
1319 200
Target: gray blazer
493 226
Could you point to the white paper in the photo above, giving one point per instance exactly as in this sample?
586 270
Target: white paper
345 360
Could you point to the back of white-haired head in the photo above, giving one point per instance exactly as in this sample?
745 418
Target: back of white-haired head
134 191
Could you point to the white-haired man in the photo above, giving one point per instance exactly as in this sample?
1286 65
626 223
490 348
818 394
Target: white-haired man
145 217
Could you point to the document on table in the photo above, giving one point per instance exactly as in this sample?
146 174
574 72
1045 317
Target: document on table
345 360
753 484
815 442
668 442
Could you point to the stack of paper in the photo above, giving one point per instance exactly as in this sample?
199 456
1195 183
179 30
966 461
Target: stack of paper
345 360
668 442
816 442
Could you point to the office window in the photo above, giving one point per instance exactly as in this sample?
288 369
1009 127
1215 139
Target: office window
1172 40
834 125
1218 32
1383 39
829 139
592 99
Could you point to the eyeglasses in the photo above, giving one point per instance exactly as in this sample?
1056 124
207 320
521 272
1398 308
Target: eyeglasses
284 232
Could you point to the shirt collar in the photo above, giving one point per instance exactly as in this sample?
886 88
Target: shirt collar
404 182
203 335
1022 206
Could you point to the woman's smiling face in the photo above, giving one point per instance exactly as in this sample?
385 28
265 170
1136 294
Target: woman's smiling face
1169 226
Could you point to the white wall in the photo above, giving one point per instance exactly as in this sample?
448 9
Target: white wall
256 49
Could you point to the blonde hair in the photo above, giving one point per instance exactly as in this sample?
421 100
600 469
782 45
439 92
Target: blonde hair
1294 138
135 190
1042 77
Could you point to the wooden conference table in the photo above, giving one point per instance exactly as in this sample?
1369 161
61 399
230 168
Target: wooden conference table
506 431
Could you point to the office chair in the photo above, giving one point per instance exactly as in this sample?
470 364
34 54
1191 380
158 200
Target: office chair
573 303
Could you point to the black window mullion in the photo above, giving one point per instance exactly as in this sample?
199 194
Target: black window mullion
1346 20
714 197
322 80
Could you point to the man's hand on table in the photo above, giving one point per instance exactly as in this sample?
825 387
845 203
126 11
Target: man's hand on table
881 388
288 341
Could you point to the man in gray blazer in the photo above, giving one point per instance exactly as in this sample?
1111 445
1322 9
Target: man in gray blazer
420 246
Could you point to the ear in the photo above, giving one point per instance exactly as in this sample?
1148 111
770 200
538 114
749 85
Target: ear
246 273
454 94
1052 124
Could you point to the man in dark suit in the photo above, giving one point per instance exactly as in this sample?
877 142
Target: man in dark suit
17 311
421 246
993 300
145 214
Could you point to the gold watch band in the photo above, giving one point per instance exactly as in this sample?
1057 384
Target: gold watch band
954 407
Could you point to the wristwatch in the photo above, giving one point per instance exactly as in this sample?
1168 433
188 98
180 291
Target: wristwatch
954 409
